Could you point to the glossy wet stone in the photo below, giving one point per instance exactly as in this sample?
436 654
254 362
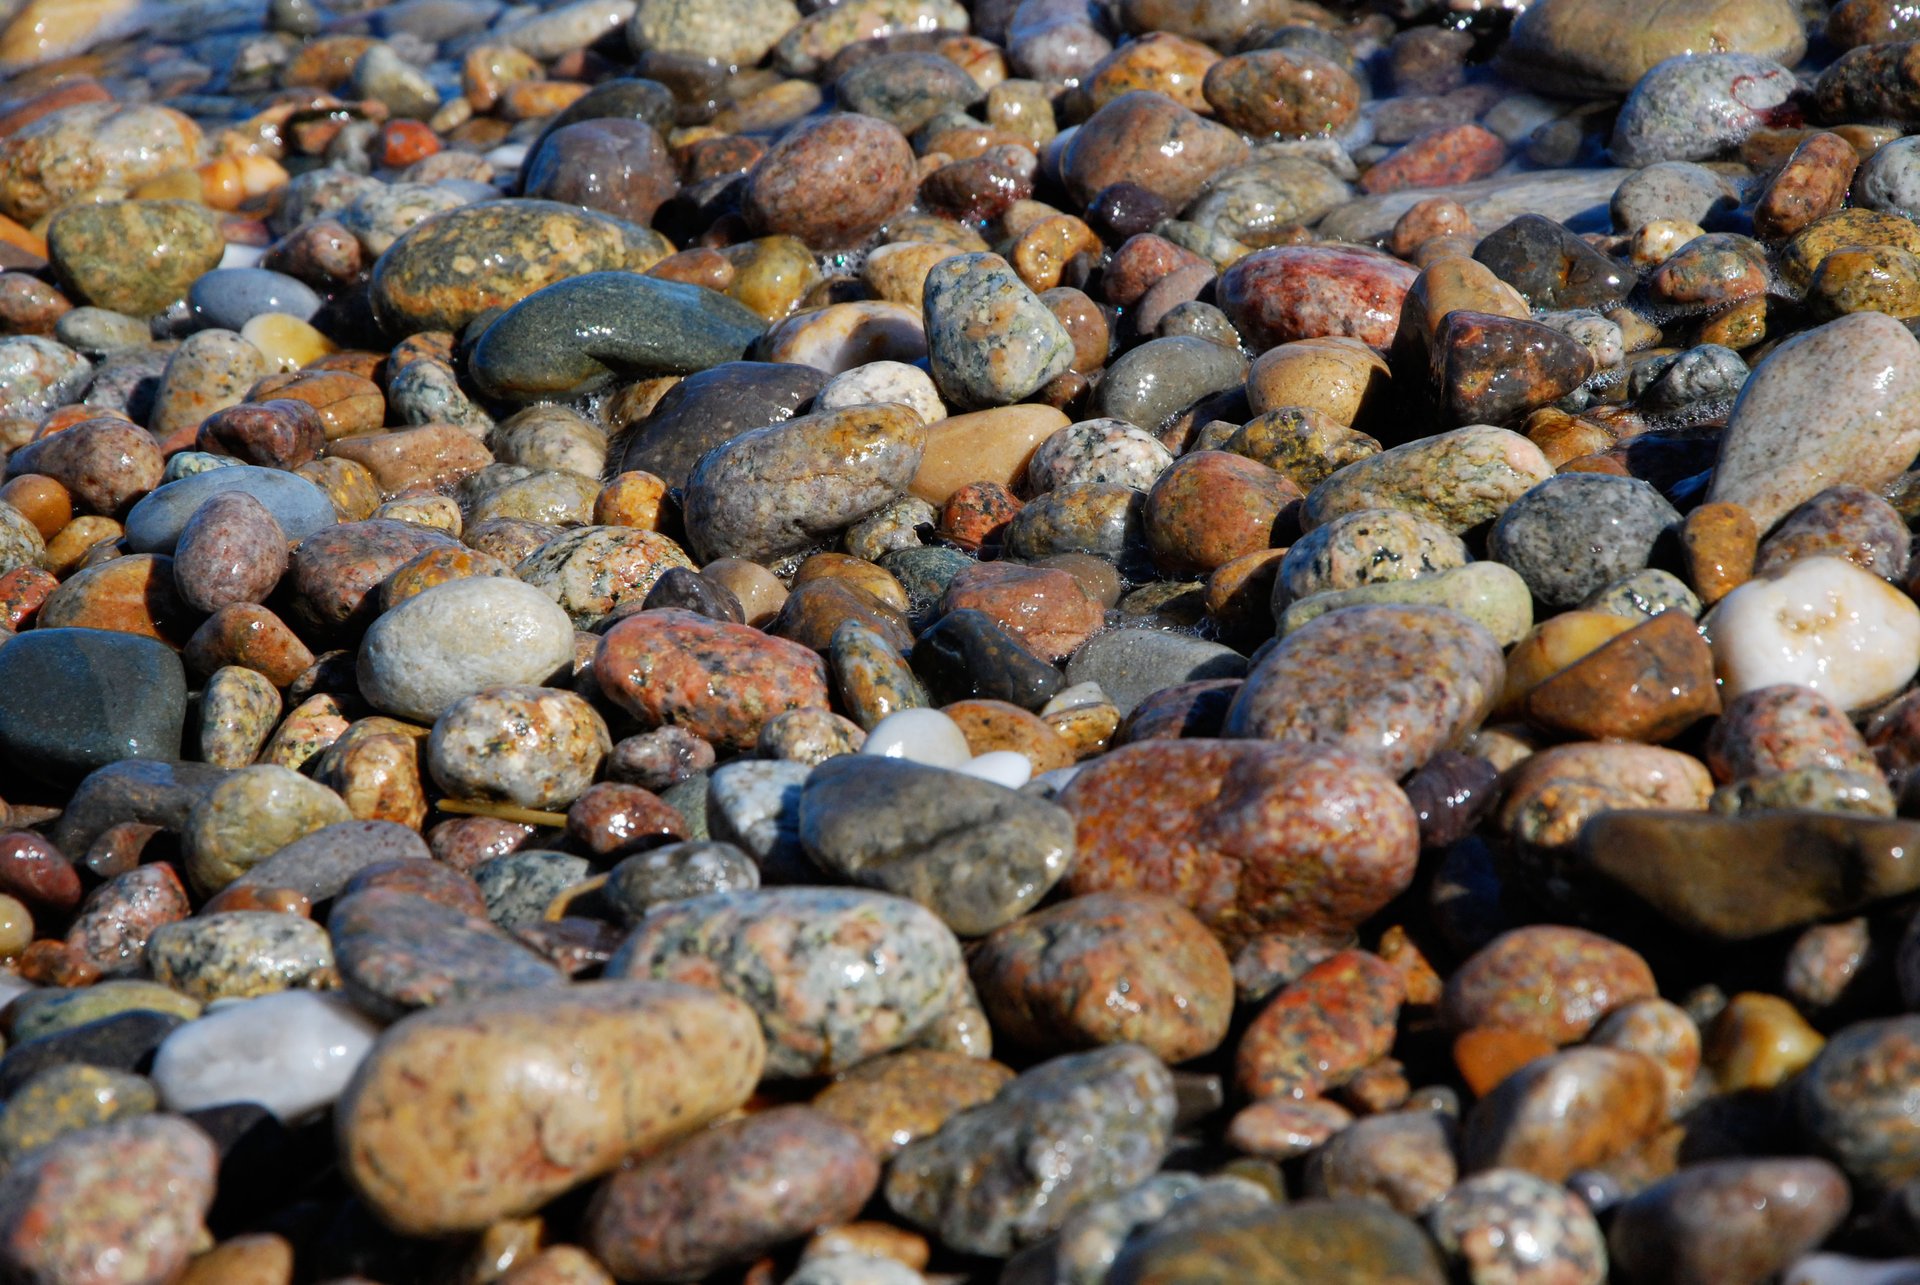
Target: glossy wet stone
1564 1112
1507 1225
1736 1218
397 952
1355 1239
1321 1030
78 699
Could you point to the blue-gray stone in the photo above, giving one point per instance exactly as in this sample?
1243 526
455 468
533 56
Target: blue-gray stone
301 508
72 700
228 298
579 334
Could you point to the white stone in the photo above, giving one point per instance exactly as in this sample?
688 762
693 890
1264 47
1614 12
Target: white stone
1079 696
883 381
854 1269
921 735
292 1052
242 256
1837 1269
1003 767
458 638
1099 450
1822 623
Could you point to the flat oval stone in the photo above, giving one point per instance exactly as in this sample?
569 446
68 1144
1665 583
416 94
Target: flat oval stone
1458 479
1391 684
1565 1112
786 487
1106 1118
976 854
1744 1219
836 975
450 268
584 1076
154 524
457 638
73 700
1830 405
1239 832
398 952
1602 47
581 333
714 406
1306 292
1545 980
719 680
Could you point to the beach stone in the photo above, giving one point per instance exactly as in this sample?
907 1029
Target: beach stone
665 1058
61 1217
1146 138
1365 547
451 267
1572 535
133 594
1436 157
898 1097
1157 817
721 681
1321 1030
1849 1107
1664 668
1287 293
1131 664
1563 1112
155 523
738 33
831 182
991 341
520 886
65 1099
731 1193
231 550
48 1011
1098 450
1488 593
1042 608
459 637
229 298
1458 479
334 573
1402 1159
676 872
618 167
37 374
1349 1239
1153 383
1392 684
1699 870
835 975
1693 106
1106 1116
103 463
847 463
1289 92
73 700
1049 980
976 854
1550 981
240 954
398 952
1210 507
224 835
1786 628
537 747
1770 468
1738 1218
321 864
1507 1226
1842 521
133 257
1604 47
556 342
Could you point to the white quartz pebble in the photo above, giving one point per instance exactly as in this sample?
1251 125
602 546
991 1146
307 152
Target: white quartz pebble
1836 1269
292 1052
1003 767
1822 623
883 381
922 735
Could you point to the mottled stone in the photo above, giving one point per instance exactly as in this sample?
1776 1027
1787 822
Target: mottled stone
1728 1219
1603 47
1305 292
133 257
1565 1112
721 681
1545 980
1507 1227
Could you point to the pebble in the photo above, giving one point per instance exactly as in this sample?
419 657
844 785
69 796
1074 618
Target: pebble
535 747
1823 623
72 700
457 638
990 340
1131 664
1505 1225
155 522
1743 1218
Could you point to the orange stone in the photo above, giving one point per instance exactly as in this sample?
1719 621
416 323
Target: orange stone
1487 1055
1721 541
41 501
1649 684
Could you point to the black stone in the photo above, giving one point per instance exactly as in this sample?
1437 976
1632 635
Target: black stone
1552 267
965 654
122 1042
688 590
72 700
704 410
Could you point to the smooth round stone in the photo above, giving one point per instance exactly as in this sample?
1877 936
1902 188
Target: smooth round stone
65 1206
1102 519
579 334
1009 769
231 297
1392 684
64 1099
1106 1117
1745 1219
883 381
1149 815
231 550
906 89
735 32
1322 1029
1094 1237
1098 450
619 167
1288 293
1488 593
924 736
1151 384
1842 521
134 257
1693 106
291 1052
789 486
1889 180
835 975
1507 1227
321 864
450 268
1822 623
47 1012
628 1066
39 375
155 523
537 747
596 572
898 1097
704 410
1146 138
719 680
831 182
398 952
249 816
1365 547
974 852
840 336
1357 1240
1545 980
1853 1105
1603 47
240 954
1458 479
1132 664
1565 1112
73 700
1572 535
730 1194
676 872
238 711
457 638
1108 968
990 340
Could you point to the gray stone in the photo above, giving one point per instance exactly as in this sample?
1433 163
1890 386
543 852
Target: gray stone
300 507
72 700
1132 664
1574 534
